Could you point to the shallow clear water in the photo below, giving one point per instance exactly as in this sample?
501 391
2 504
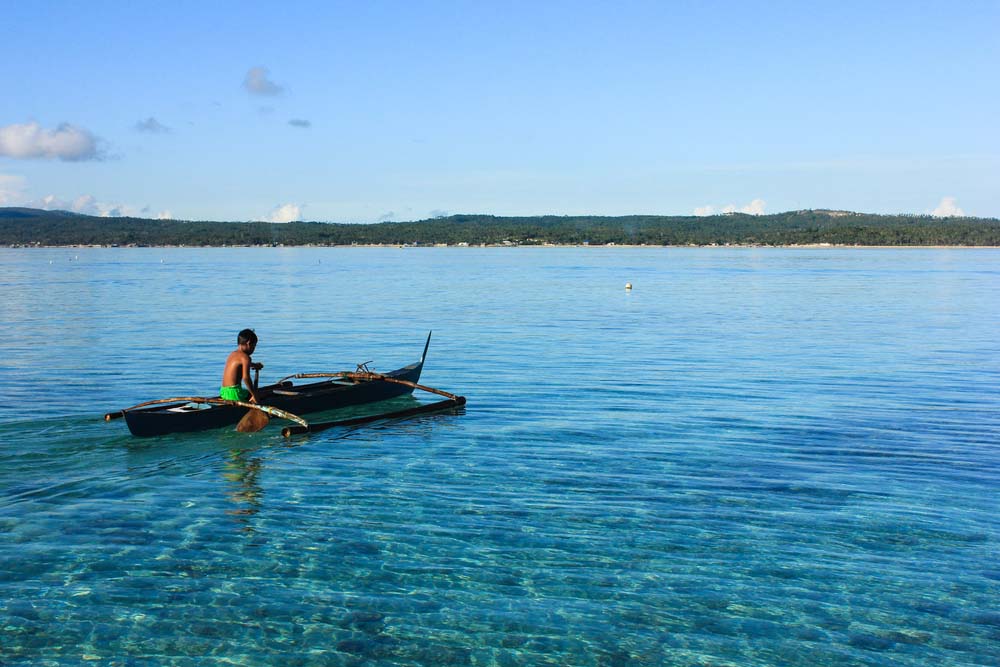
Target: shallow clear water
756 457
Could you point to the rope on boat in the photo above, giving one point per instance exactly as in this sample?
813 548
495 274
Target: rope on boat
299 376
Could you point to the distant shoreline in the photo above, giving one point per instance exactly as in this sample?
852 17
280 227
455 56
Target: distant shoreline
815 229
830 246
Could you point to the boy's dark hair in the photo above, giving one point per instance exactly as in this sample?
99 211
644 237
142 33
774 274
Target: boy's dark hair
246 336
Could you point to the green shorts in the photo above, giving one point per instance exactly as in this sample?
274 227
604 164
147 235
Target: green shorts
234 393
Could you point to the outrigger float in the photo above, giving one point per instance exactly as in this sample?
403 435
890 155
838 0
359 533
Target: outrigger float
286 400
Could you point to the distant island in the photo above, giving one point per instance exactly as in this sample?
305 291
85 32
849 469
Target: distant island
26 227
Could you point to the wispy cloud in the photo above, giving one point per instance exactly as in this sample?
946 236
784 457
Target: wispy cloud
32 141
12 189
388 216
285 213
755 207
300 122
86 204
152 126
147 212
948 208
258 82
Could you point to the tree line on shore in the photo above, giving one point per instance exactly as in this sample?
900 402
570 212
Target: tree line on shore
28 227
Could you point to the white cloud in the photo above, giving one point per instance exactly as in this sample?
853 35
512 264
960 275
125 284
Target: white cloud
257 82
756 207
11 189
86 204
948 208
285 213
152 126
66 142
51 203
300 122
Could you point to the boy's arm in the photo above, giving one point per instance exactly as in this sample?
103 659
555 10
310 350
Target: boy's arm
246 379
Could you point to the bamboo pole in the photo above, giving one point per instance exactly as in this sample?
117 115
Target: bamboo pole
267 409
370 377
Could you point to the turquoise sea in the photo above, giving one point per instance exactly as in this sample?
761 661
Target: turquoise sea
754 457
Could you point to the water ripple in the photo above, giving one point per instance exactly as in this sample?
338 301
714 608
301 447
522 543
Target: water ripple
757 457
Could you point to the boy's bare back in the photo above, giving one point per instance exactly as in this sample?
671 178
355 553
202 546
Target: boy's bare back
236 372
233 373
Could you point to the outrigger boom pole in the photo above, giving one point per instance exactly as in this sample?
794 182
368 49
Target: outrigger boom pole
274 412
302 426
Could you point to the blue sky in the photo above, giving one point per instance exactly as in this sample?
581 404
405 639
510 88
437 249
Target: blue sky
360 112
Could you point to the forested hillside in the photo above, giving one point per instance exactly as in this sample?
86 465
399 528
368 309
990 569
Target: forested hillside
28 227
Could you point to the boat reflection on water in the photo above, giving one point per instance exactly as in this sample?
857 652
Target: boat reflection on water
243 470
238 460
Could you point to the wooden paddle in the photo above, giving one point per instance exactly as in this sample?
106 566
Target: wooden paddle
254 420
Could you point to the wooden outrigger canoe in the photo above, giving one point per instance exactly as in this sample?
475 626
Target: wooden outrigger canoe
287 400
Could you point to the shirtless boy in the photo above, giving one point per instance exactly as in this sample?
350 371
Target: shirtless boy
237 371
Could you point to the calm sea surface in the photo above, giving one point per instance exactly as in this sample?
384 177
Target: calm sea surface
755 457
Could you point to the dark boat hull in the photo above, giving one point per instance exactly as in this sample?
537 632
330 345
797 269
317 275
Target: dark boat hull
296 399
